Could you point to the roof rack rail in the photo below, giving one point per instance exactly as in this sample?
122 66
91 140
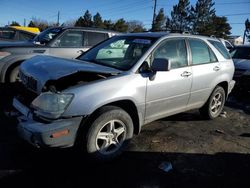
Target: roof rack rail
212 36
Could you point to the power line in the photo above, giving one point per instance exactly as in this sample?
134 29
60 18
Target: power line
237 14
232 3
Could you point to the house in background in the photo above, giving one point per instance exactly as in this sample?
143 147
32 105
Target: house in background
236 39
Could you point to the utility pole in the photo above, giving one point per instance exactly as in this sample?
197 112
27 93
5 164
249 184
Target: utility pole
153 21
24 22
58 18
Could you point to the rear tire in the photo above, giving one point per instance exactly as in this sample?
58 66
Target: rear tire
109 133
14 75
215 104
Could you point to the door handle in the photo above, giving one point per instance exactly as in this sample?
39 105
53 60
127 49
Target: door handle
186 74
216 68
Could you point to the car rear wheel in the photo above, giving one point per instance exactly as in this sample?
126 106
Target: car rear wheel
215 104
109 133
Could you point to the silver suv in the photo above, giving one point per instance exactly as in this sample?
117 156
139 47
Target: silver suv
67 42
100 100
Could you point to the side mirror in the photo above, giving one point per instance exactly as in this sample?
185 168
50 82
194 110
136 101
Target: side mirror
160 64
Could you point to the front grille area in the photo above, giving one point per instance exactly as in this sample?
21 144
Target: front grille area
28 81
25 96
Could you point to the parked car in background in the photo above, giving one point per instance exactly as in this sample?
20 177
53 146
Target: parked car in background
29 29
227 44
10 34
66 42
241 58
105 96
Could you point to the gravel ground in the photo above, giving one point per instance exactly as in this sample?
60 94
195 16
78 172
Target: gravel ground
202 153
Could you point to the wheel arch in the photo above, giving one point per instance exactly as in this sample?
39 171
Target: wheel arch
9 68
224 85
128 106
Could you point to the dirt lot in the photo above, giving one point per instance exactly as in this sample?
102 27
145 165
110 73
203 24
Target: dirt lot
202 154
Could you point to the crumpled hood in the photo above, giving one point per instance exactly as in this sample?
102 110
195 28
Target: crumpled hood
44 68
242 64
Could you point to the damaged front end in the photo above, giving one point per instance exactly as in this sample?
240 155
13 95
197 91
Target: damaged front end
51 103
43 100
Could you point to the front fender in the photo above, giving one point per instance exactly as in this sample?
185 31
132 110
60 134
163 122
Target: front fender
89 97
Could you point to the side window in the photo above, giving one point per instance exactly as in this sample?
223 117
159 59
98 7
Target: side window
93 38
221 48
7 34
201 53
175 51
70 39
25 36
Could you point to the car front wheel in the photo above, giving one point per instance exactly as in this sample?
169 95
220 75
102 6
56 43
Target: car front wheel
109 133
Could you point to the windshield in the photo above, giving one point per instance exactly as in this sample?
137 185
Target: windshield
120 52
241 53
47 35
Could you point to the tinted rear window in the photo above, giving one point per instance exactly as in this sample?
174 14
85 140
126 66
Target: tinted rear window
241 53
221 48
93 38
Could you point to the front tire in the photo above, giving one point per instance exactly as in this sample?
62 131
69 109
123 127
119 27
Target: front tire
215 103
109 133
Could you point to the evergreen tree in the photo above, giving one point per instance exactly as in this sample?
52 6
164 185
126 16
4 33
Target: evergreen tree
79 22
97 21
108 24
202 15
14 23
180 18
31 24
120 25
87 19
159 22
218 27
247 30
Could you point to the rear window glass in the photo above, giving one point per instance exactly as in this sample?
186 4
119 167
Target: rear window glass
221 48
93 38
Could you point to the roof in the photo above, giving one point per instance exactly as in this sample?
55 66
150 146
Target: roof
86 28
162 34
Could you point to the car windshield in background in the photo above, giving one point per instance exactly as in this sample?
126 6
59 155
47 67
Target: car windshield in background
241 53
47 35
121 52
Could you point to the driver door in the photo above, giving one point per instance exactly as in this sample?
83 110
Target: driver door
168 93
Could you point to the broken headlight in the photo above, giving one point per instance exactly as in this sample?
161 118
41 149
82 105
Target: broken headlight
51 105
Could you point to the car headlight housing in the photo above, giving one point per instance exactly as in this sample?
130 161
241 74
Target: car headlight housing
51 105
4 54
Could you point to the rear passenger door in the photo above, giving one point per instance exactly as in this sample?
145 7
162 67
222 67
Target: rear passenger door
69 44
169 91
205 68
